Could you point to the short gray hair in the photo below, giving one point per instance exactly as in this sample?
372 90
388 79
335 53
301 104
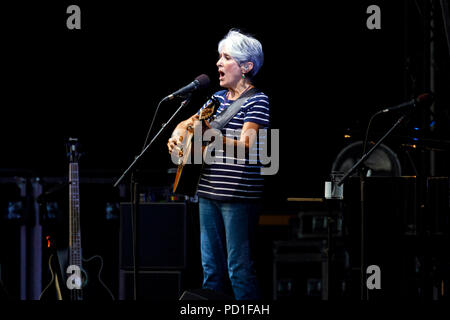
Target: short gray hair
243 48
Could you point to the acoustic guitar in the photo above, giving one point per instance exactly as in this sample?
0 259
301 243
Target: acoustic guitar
188 172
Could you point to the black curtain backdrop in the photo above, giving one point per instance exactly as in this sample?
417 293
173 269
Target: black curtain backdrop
324 71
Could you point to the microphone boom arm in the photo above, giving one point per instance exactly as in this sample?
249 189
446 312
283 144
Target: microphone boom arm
368 153
136 159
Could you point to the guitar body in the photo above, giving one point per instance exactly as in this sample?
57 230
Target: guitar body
54 289
187 178
92 287
188 172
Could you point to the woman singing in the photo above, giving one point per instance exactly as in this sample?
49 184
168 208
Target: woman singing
230 190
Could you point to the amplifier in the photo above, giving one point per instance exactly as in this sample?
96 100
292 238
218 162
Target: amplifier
161 238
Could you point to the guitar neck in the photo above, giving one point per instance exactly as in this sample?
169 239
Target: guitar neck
74 216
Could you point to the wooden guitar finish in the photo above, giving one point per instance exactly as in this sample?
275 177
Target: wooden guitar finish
188 175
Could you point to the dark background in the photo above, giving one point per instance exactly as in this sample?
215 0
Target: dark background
324 72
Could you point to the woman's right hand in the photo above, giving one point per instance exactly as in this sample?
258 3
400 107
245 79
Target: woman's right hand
180 131
173 142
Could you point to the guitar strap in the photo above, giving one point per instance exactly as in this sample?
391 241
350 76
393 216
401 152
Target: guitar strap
221 121
224 117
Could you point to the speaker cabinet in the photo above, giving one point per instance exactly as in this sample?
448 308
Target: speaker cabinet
152 285
161 238
437 212
391 233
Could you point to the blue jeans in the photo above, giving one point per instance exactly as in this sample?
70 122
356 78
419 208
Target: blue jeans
227 230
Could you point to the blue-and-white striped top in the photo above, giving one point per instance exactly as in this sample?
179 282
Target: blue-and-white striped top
234 179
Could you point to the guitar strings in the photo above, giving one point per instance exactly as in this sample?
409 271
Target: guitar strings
76 294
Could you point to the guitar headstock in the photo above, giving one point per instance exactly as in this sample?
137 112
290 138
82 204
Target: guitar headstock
210 110
72 148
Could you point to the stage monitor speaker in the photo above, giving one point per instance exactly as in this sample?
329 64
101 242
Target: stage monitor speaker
391 234
204 294
152 285
161 242
436 221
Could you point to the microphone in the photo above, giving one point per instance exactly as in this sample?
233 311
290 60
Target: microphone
201 82
423 100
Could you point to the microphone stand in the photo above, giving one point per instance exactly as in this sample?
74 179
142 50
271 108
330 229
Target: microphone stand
135 197
357 165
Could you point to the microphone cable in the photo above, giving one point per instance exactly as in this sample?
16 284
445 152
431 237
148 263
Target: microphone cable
151 124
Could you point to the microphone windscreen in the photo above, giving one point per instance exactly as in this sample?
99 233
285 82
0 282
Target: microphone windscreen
203 80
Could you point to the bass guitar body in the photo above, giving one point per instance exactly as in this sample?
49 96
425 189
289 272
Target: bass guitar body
63 282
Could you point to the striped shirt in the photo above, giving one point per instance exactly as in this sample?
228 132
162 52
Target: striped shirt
235 176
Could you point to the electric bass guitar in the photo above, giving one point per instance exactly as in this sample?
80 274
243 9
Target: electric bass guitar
188 171
76 282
